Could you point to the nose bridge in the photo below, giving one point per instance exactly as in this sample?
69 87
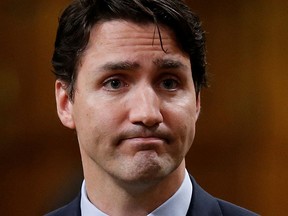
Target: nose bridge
148 97
145 106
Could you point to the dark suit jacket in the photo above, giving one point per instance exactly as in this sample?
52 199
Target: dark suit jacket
202 204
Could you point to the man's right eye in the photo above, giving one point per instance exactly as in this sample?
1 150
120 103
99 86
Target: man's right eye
114 84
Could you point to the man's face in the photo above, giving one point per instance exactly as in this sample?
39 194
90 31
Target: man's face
135 106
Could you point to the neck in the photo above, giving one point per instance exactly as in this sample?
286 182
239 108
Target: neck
119 198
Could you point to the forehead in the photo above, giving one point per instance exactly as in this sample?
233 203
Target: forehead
123 35
119 45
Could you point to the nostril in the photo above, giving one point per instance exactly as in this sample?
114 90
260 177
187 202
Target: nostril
146 115
152 121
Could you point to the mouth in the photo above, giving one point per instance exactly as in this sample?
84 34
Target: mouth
144 140
144 143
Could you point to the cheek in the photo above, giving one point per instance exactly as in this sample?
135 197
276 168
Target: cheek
186 130
181 120
96 123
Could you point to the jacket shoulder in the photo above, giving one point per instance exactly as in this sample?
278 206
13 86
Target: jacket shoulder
71 209
233 210
204 204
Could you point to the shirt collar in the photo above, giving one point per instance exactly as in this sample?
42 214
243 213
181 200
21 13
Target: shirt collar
178 204
87 208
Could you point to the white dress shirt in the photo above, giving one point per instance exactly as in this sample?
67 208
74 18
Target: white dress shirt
178 204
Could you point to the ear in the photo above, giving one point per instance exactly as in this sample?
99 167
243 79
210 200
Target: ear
64 104
198 105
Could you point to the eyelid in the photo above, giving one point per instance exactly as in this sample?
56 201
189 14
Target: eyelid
114 78
169 76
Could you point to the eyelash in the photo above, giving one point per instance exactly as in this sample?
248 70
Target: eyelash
175 83
112 79
108 83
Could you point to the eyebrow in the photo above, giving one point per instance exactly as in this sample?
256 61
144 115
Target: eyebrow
121 65
169 64
133 65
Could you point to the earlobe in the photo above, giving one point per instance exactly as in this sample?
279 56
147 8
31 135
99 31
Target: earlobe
64 105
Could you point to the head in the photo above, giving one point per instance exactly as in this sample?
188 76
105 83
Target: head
78 19
129 74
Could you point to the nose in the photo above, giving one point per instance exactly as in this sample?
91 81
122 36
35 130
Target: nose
145 107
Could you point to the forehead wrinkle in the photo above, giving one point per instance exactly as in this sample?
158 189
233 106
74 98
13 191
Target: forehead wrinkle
144 34
140 41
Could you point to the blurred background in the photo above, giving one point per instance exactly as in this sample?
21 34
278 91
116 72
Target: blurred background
240 153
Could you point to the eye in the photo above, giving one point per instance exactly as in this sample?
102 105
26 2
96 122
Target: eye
170 84
114 84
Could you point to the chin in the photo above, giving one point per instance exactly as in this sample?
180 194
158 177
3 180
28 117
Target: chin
147 170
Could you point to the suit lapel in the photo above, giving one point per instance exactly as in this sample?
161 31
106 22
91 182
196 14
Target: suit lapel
202 203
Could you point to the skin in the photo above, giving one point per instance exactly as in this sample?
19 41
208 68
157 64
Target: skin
134 112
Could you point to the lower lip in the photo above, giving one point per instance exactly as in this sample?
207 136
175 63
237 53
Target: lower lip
144 143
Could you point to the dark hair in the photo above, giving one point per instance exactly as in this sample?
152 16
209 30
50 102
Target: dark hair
80 16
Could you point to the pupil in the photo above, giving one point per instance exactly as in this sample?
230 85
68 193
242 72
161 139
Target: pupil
115 84
168 83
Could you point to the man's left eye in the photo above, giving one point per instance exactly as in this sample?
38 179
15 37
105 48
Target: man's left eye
169 84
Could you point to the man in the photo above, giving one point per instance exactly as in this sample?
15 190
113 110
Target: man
129 75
